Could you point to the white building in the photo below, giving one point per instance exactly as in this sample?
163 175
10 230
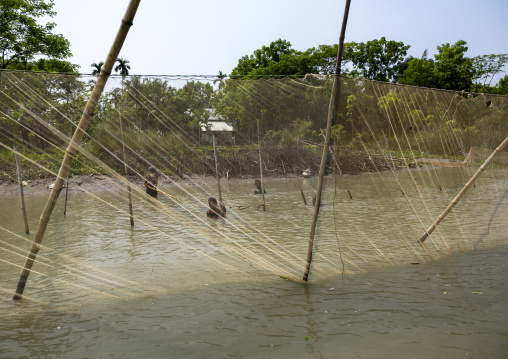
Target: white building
218 127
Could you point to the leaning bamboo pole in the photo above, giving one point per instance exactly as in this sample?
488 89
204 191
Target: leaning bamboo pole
301 190
126 168
21 194
216 167
261 170
75 143
322 167
464 190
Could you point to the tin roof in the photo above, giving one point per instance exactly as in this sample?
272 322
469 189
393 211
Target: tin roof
217 126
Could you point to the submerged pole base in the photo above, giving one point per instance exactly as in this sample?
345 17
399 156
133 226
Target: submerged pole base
20 288
306 273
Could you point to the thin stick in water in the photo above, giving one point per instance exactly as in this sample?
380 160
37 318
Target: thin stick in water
301 190
66 195
261 170
125 164
216 168
21 195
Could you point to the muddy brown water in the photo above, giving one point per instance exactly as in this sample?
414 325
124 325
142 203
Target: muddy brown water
161 289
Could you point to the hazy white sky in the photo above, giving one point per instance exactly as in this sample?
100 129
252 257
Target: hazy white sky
201 37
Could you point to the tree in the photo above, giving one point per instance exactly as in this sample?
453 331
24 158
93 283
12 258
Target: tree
379 60
419 72
46 65
486 67
262 58
123 66
502 86
220 79
279 59
97 68
22 38
452 70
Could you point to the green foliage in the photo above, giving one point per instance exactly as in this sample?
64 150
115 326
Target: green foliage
22 37
123 66
419 72
35 165
450 70
486 67
45 65
97 66
379 60
453 71
502 86
264 61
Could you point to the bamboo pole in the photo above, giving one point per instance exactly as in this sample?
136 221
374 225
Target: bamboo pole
75 143
322 167
67 184
301 189
168 195
261 169
21 195
66 195
463 190
216 168
125 164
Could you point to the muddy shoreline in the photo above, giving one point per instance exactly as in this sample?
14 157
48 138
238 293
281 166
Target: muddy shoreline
98 183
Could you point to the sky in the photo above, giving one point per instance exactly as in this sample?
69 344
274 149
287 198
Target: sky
201 37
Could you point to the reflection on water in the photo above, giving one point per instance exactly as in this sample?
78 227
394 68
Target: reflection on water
167 289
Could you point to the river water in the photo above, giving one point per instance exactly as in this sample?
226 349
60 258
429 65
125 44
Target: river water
211 288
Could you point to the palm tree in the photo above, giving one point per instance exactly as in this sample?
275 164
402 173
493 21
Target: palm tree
220 79
97 68
123 66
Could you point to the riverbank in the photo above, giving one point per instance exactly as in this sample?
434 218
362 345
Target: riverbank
79 183
95 183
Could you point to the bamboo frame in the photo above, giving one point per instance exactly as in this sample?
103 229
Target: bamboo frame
463 190
322 167
75 143
21 194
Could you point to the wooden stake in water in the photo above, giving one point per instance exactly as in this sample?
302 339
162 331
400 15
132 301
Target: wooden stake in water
75 143
261 170
322 167
21 195
464 190
66 195
301 190
216 168
125 165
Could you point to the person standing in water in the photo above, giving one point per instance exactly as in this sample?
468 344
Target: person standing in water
258 189
151 181
215 211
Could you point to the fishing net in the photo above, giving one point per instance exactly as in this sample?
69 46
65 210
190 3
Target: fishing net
398 157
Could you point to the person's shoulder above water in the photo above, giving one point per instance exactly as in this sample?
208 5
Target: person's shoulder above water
215 211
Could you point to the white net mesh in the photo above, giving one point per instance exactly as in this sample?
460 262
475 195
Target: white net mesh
399 155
